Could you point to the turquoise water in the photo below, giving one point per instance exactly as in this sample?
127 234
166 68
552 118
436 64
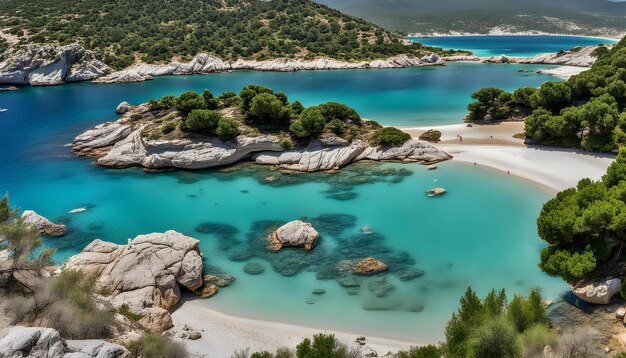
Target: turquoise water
522 46
482 233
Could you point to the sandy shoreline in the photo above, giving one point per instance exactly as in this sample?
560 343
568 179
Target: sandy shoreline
493 147
223 334
527 33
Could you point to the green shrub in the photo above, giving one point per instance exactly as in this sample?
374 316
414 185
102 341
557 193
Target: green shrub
211 102
125 311
168 128
266 107
323 346
431 136
389 136
227 128
533 341
152 345
336 126
286 144
311 123
202 120
334 110
429 351
190 101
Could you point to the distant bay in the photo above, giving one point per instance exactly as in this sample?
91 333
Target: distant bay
511 45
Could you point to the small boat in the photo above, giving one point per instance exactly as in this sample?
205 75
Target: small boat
431 167
435 192
3 109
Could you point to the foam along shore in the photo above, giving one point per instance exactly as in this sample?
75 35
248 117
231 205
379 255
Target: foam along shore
226 334
493 146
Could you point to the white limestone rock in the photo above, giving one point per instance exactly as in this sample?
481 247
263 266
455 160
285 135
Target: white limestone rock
294 234
43 225
122 108
598 292
145 274
95 348
412 150
40 65
103 135
582 57
32 342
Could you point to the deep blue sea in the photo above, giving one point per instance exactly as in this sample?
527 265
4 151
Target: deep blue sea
482 233
511 45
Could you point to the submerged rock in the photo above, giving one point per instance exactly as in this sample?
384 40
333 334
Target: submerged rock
43 225
369 266
253 268
294 234
145 274
598 292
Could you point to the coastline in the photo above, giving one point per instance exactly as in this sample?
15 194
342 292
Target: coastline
521 33
493 147
224 333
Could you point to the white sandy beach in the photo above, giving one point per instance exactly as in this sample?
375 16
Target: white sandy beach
493 147
223 334
564 72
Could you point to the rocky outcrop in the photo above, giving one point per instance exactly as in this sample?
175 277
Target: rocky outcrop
204 63
598 292
103 135
43 225
580 56
37 342
369 266
145 274
294 234
122 108
40 65
316 157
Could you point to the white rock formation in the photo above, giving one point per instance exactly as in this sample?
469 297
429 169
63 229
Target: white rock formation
103 135
204 63
294 234
598 292
581 58
37 342
43 225
39 65
145 274
122 108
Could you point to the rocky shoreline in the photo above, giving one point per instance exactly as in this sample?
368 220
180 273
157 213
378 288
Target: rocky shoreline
44 65
121 144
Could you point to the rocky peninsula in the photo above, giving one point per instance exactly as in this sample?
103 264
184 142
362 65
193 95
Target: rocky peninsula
160 138
43 65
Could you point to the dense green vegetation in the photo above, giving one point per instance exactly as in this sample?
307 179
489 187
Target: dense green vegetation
586 226
587 110
123 31
586 17
152 345
258 110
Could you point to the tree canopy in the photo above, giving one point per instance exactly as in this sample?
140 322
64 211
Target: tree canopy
587 110
122 31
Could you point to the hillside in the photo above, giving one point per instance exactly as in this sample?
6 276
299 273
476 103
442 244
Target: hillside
581 17
123 32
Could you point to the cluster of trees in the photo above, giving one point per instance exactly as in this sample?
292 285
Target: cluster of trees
587 110
263 109
586 226
199 112
157 31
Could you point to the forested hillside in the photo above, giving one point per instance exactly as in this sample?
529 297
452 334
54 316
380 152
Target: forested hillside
582 17
125 31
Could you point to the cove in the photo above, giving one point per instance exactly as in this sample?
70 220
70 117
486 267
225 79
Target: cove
482 233
511 45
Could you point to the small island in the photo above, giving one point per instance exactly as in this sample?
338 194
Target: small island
201 130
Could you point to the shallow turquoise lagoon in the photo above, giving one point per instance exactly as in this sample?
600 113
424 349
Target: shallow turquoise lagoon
482 233
511 45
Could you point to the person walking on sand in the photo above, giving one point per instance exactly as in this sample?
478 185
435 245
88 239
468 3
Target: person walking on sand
461 138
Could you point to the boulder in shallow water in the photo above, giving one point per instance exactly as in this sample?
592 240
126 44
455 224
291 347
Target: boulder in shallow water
598 292
43 225
122 108
294 234
253 268
369 266
436 191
